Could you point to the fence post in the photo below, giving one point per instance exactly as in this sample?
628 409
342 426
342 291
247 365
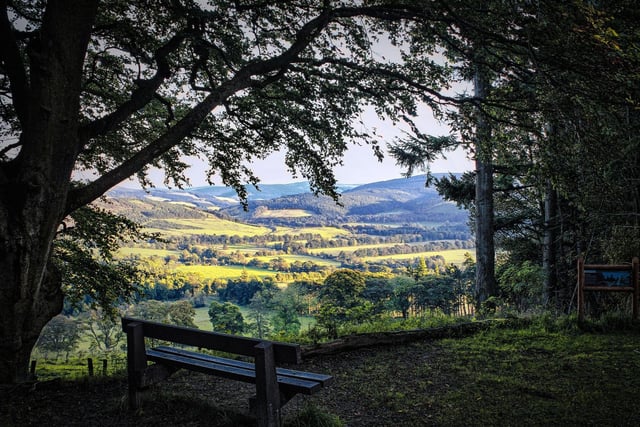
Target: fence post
104 367
90 366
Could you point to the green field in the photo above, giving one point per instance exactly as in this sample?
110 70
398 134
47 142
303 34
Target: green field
350 249
300 258
146 252
225 271
208 226
325 232
453 256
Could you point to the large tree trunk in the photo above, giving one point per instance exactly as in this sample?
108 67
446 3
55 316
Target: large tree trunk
485 248
33 194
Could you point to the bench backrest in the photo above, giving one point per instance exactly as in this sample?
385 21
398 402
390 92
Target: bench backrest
283 352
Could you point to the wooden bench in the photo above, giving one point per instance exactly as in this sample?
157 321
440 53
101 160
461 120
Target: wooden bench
274 386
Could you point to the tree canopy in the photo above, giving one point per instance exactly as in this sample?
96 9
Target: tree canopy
93 92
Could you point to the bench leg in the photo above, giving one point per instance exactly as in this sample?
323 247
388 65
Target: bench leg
267 391
136 361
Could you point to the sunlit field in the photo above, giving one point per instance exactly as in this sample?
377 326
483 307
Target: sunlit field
453 256
208 226
225 271
146 252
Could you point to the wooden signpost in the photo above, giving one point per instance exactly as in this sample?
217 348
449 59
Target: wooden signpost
608 278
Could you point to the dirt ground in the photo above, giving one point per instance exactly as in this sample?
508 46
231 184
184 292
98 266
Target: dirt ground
367 388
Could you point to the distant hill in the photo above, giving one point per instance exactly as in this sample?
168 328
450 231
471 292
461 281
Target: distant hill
397 201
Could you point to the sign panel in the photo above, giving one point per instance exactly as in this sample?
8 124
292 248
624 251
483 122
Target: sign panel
608 278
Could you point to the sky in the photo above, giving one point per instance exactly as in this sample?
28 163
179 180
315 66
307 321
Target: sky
360 165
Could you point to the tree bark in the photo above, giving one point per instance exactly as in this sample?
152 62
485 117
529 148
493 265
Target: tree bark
549 254
34 186
485 248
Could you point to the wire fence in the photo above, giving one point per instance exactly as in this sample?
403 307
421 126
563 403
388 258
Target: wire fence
75 368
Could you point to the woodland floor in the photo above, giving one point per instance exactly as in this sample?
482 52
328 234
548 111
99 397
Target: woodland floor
501 377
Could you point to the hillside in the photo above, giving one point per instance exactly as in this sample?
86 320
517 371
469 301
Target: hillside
398 201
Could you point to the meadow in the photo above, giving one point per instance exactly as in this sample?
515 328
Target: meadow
451 256
207 226
224 272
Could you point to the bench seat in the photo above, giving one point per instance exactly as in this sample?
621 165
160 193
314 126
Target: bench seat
275 386
290 381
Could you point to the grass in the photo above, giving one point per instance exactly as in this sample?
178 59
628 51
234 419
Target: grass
541 378
325 232
208 226
350 249
504 376
225 271
542 373
146 252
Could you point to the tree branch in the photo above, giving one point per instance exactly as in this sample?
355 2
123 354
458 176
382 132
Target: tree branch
14 67
140 97
242 80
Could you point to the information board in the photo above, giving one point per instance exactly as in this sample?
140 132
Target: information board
608 278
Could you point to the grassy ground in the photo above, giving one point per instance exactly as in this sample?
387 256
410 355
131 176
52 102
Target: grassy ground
530 376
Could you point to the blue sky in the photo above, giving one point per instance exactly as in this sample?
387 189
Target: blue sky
360 165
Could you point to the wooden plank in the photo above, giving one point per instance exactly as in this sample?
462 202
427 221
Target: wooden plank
607 267
283 352
207 357
323 379
610 288
226 371
242 371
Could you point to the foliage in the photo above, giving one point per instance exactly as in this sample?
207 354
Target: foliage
61 334
561 104
242 290
84 252
521 285
105 332
121 87
287 305
180 313
259 308
342 301
226 317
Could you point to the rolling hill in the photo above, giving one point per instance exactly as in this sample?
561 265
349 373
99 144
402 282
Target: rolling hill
399 201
